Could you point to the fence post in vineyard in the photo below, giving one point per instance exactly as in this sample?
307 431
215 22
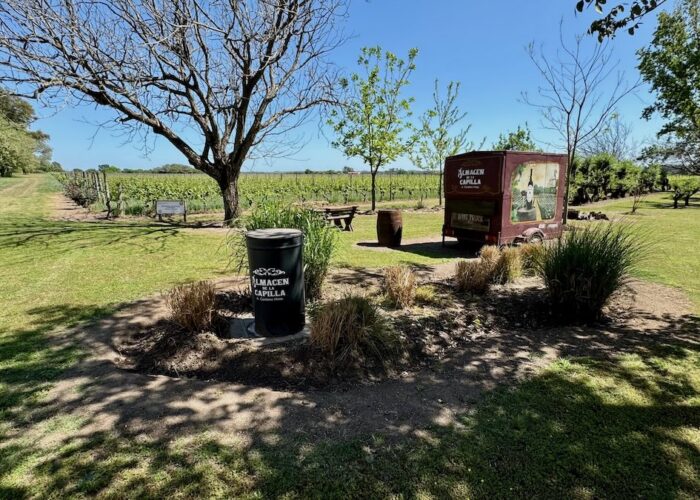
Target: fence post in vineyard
107 195
100 188
95 184
95 178
120 201
391 186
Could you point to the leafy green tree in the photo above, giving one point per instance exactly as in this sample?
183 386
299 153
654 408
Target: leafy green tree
620 16
110 169
16 149
651 177
520 140
20 149
683 187
54 166
372 122
435 139
15 109
671 66
174 168
604 176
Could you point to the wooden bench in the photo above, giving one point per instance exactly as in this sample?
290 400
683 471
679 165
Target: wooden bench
339 216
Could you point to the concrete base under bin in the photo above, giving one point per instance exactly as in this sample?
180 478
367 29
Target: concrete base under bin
242 329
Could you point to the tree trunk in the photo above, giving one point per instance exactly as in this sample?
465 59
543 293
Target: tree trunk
374 189
566 194
229 191
440 188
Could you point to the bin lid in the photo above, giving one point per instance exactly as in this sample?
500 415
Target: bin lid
277 237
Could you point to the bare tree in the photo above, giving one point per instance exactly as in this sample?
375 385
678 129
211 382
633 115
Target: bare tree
615 138
579 94
436 138
679 155
219 79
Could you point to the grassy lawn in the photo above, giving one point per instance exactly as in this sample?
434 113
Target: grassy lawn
7 182
415 225
675 236
628 427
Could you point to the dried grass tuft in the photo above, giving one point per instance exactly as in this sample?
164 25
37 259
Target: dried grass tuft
530 254
509 266
473 276
192 305
400 286
351 329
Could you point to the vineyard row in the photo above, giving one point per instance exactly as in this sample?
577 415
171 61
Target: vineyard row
137 192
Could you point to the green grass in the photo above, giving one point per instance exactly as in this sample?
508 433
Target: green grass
415 225
675 234
7 182
579 429
627 427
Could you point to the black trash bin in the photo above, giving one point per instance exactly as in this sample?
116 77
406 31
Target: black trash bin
277 280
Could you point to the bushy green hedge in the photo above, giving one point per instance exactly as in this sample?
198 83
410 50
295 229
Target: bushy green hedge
603 176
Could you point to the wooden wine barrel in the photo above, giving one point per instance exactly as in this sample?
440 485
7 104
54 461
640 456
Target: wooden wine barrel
389 228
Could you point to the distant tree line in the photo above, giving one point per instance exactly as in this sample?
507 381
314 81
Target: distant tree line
168 168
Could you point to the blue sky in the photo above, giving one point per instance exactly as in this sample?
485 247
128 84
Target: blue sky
479 43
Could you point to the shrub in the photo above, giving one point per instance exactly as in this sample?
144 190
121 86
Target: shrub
319 239
583 269
192 306
428 295
473 276
490 254
350 329
530 253
400 286
509 266
80 192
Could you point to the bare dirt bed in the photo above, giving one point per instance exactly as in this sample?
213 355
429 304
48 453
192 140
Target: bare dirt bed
443 334
457 352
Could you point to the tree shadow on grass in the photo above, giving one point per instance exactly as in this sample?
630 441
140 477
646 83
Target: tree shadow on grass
55 238
575 430
430 249
612 424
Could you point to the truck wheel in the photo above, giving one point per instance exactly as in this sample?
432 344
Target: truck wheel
535 238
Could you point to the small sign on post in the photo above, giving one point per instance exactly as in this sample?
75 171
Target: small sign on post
171 207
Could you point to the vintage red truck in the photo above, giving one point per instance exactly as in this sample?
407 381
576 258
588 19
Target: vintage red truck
504 197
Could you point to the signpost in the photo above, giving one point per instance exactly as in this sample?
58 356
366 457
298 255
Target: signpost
171 207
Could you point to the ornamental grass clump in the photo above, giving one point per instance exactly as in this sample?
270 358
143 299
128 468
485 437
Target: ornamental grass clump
400 286
509 266
427 295
351 330
530 253
490 254
586 266
192 306
473 276
320 240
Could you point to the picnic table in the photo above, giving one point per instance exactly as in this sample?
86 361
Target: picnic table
340 216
